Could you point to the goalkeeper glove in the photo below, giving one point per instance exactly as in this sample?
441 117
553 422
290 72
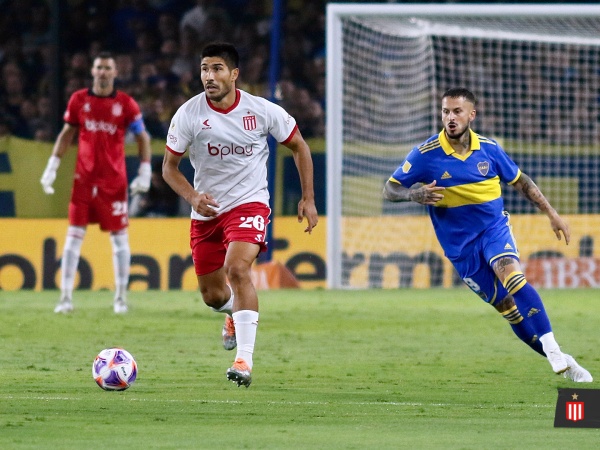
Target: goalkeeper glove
141 183
49 174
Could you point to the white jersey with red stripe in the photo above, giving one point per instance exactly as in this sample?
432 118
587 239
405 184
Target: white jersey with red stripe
228 148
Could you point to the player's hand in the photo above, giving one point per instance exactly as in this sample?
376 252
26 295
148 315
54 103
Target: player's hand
307 208
141 183
559 225
427 194
49 174
206 205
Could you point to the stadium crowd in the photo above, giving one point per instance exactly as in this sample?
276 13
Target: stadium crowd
156 45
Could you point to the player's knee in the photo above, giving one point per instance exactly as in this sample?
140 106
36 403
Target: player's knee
213 296
120 242
237 272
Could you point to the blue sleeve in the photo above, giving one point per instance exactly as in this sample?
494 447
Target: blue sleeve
506 168
409 172
137 126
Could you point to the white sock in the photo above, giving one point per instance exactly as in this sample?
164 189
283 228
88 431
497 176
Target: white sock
246 323
549 344
70 260
121 262
227 307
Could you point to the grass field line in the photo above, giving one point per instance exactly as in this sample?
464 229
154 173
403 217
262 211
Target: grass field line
283 402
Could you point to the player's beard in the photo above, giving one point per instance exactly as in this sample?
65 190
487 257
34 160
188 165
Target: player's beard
219 96
104 83
458 133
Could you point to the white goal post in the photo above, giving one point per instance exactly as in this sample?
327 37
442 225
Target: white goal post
536 71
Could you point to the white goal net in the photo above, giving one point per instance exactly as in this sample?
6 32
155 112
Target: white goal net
536 72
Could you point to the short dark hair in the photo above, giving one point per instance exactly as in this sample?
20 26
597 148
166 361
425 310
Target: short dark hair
460 92
104 55
222 50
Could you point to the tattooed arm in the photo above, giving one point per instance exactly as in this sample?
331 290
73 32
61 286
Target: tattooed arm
425 195
531 192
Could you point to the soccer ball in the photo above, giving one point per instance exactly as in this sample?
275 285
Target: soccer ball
114 369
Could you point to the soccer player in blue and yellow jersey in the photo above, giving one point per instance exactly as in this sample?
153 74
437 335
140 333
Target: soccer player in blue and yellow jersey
460 172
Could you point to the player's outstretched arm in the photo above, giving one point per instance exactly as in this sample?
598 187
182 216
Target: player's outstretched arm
428 194
531 192
303 160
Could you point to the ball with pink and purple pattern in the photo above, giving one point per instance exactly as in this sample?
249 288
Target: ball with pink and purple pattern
114 369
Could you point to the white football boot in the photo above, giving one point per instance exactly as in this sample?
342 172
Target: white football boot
64 306
575 372
119 306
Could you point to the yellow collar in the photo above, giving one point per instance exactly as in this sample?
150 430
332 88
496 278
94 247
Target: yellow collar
475 145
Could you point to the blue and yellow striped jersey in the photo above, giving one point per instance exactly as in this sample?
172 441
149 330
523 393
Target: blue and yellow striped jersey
473 198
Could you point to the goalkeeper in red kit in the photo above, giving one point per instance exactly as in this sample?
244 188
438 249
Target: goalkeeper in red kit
102 116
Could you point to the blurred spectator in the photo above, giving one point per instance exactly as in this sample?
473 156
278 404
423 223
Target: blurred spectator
208 20
130 20
157 122
4 126
30 116
44 108
168 27
186 60
79 65
253 78
11 98
44 133
38 32
126 76
195 18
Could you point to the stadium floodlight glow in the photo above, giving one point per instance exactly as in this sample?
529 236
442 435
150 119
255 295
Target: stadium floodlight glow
536 70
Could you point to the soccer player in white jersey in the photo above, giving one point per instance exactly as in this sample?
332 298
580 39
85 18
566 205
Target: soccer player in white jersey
460 172
225 130
102 116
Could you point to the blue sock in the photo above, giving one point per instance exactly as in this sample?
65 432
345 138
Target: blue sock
529 303
522 329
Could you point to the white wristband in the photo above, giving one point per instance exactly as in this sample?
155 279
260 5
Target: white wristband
145 168
53 163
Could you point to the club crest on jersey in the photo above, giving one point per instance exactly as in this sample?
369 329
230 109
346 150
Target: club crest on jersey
86 107
249 123
483 167
117 109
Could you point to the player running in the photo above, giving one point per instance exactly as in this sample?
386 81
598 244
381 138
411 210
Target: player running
461 173
225 130
102 116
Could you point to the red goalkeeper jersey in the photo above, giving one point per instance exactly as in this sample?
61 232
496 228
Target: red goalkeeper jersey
102 123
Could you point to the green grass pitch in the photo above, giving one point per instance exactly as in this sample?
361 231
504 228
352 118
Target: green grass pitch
377 369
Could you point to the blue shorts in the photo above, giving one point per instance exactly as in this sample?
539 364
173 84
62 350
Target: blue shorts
475 269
